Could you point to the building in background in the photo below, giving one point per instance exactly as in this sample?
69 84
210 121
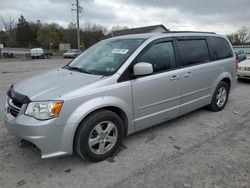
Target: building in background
148 29
63 47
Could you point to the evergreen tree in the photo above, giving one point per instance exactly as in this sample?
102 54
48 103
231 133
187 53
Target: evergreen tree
23 32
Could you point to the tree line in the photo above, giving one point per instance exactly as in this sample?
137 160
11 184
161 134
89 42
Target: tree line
27 34
37 34
240 37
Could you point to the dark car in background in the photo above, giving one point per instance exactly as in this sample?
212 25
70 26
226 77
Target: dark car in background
240 55
72 53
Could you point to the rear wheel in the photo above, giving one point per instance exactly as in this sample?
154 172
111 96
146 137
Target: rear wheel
99 136
220 97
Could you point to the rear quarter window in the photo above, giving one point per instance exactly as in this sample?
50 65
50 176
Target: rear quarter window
193 51
219 48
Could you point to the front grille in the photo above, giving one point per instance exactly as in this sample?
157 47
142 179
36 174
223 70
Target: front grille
14 111
13 107
246 68
19 105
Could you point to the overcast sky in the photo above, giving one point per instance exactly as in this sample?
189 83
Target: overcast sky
221 16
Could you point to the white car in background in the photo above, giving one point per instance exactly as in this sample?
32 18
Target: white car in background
243 71
71 53
38 53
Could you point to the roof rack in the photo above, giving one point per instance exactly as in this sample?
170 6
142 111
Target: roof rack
189 32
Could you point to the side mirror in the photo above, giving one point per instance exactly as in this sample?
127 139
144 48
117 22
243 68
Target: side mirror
142 68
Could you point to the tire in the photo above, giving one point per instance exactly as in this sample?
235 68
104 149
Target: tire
99 136
220 98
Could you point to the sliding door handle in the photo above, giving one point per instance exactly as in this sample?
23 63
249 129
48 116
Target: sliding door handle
189 74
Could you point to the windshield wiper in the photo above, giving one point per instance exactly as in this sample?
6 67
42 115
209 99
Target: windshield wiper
74 68
77 69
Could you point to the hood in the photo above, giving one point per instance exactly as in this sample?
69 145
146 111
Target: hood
245 63
54 84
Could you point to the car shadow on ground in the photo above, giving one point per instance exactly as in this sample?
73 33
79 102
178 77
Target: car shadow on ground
244 81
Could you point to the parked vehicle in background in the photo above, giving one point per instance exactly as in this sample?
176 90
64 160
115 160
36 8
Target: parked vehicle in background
1 47
117 87
38 53
243 71
13 52
71 53
240 55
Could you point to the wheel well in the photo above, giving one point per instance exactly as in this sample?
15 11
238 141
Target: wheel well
116 110
228 81
122 115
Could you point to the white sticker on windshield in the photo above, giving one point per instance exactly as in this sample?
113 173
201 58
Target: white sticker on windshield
120 51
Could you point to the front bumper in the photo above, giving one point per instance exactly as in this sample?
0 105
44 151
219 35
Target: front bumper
243 74
50 137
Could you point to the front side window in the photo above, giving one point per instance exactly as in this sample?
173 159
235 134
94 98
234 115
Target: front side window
193 51
160 55
105 57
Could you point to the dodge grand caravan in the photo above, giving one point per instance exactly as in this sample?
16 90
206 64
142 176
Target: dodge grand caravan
117 87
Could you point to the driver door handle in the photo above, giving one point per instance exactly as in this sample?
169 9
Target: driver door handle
175 77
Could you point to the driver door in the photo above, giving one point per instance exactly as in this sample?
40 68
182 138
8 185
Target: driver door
156 97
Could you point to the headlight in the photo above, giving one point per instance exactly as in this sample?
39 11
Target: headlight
44 110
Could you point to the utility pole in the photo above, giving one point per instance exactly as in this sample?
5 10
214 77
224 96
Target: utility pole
78 30
78 9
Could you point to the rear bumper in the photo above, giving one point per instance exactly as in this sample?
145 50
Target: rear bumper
50 138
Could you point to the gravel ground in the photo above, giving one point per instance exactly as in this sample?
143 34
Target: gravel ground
200 149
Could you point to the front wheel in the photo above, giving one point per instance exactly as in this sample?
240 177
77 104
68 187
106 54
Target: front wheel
220 97
99 136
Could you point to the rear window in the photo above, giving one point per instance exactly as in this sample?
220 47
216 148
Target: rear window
193 51
219 48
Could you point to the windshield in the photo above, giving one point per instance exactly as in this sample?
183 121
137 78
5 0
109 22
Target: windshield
105 57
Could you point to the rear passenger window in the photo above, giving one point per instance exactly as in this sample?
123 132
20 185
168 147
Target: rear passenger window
160 55
219 48
193 51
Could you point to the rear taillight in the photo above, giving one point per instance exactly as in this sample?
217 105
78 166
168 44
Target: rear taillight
237 64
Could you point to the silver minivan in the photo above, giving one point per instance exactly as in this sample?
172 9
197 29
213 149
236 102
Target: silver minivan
117 87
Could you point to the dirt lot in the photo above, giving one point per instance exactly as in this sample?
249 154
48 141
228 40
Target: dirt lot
201 149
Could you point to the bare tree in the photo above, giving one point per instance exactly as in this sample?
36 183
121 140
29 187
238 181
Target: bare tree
8 24
234 38
10 31
119 27
243 34
240 37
